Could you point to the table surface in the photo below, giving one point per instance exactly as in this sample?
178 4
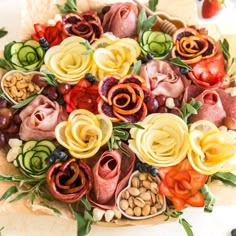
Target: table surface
218 223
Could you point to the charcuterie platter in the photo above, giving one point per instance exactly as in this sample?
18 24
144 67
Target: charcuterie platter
115 115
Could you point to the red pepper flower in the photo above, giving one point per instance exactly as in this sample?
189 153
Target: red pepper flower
180 183
53 34
69 181
210 73
83 96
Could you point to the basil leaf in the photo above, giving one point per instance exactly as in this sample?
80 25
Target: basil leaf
136 67
46 196
187 226
20 196
86 204
227 178
147 24
32 198
152 4
176 61
26 101
141 18
9 192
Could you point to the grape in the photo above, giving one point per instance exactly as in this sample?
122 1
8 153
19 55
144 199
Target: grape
161 100
4 122
162 109
63 88
16 119
3 103
41 83
50 92
8 112
152 105
12 129
3 140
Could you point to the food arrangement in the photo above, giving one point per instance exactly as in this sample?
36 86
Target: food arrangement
116 119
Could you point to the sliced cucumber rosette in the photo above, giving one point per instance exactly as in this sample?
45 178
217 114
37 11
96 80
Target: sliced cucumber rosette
26 55
158 44
32 159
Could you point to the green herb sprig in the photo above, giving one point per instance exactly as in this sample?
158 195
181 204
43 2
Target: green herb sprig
226 178
3 32
209 198
189 109
176 61
152 4
119 134
68 7
144 23
27 187
88 47
1 229
177 215
136 67
26 101
49 78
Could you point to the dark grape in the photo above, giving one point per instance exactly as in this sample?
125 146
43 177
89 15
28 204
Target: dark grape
3 103
161 100
16 119
50 92
63 88
13 129
3 140
4 122
177 102
152 105
162 109
36 79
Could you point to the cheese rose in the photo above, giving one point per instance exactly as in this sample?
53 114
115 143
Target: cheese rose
84 133
69 61
162 142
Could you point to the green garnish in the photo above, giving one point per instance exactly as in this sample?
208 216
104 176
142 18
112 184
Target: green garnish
208 198
226 178
119 134
189 109
152 4
144 23
88 47
68 7
49 78
224 45
3 32
26 101
136 67
176 61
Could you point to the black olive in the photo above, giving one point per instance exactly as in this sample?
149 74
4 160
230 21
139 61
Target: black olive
90 78
233 232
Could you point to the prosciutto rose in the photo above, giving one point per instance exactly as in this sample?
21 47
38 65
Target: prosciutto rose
40 118
121 20
163 79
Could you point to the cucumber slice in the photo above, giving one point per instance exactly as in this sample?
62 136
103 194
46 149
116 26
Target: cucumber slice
34 66
31 42
43 148
40 52
14 59
157 48
23 52
146 36
7 50
29 145
38 162
16 47
49 144
31 58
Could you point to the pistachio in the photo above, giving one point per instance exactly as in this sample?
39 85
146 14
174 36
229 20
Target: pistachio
131 202
153 210
142 190
139 202
137 211
129 211
146 210
161 199
153 197
158 205
135 182
133 191
117 213
143 176
153 187
146 196
146 184
124 204
125 194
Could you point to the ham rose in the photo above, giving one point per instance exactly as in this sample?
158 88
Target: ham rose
121 20
111 172
163 79
39 119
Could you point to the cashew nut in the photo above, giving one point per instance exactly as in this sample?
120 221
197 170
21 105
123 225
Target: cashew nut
16 92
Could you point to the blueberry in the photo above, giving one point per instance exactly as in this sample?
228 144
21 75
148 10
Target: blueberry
233 232
90 78
154 171
51 159
183 70
145 167
149 56
62 156
137 166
